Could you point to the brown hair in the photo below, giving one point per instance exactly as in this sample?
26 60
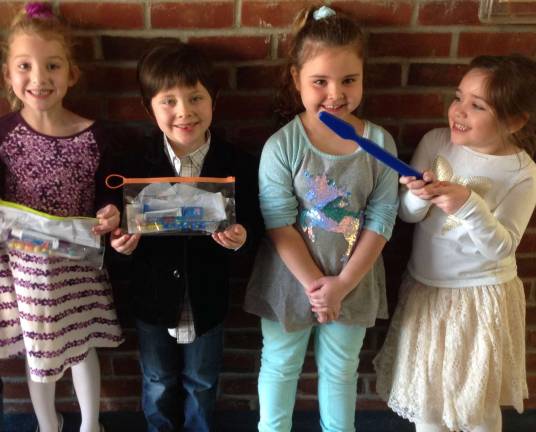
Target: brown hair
170 64
511 92
308 36
39 19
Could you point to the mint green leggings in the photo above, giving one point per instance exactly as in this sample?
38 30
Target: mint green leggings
336 349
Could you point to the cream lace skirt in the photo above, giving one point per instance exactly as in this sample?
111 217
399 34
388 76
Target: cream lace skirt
451 356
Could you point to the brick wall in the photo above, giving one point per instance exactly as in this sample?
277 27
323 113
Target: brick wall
417 54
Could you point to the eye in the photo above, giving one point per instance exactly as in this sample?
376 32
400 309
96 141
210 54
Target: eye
169 101
478 107
349 81
23 66
319 82
196 98
53 66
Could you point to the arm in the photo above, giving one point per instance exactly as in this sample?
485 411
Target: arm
496 234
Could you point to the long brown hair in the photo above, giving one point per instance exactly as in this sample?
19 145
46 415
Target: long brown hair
308 36
511 92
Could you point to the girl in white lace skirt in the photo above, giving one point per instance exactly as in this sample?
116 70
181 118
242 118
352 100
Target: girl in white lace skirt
455 351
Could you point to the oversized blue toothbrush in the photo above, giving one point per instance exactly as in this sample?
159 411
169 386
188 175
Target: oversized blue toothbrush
346 131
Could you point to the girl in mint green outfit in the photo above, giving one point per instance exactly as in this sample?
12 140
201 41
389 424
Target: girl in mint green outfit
329 208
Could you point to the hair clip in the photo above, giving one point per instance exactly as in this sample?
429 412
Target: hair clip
323 12
39 10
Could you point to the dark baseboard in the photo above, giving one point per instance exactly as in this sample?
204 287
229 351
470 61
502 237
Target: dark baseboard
246 421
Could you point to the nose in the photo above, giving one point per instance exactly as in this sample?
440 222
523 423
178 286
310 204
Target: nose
335 91
182 109
39 75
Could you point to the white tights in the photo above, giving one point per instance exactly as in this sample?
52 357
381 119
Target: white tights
86 381
492 423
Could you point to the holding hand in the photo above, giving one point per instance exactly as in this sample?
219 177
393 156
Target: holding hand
233 237
420 188
449 197
108 218
124 243
326 295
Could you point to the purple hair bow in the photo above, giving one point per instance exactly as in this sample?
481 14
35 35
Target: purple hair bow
39 10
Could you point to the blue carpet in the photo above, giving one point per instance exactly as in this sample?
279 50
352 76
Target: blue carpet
240 421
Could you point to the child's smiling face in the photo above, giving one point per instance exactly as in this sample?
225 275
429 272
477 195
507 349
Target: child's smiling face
184 114
39 72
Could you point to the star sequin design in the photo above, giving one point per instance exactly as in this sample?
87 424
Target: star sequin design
444 172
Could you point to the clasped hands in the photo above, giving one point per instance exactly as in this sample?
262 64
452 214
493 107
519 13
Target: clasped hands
326 295
448 196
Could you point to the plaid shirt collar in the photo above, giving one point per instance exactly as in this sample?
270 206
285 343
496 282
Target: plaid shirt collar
191 164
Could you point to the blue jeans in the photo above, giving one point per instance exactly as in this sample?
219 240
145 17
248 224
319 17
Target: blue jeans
337 348
179 375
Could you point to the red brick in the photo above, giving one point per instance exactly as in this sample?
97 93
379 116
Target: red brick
258 77
370 404
192 15
125 365
226 404
378 14
307 403
382 75
473 44
18 407
131 404
238 385
271 14
531 362
84 50
126 108
111 79
436 75
12 368
97 15
404 105
531 316
244 107
90 107
251 138
240 362
413 133
307 386
409 44
19 390
460 12
526 267
237 317
243 339
8 10
531 339
105 362
528 242
236 48
120 388
127 48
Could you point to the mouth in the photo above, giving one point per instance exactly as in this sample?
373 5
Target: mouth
459 127
333 107
40 93
186 127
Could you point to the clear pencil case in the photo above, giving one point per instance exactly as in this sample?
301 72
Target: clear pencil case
25 229
176 205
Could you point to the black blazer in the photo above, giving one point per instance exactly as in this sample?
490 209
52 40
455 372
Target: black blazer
163 267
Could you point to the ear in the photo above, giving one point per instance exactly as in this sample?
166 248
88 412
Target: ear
295 77
74 75
517 123
5 74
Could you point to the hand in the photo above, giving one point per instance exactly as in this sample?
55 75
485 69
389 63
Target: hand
450 197
233 237
326 295
420 188
124 243
108 218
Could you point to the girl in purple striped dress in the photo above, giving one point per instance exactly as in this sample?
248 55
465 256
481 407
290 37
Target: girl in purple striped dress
54 310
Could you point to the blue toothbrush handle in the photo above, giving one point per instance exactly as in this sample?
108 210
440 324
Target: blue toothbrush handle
387 158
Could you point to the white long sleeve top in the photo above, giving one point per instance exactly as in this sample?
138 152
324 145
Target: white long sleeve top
476 245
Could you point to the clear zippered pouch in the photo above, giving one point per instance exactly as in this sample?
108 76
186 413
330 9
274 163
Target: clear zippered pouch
176 205
25 229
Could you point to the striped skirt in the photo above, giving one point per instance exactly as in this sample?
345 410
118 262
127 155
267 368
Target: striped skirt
53 310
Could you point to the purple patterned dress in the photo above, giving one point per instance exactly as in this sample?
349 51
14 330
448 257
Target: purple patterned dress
52 309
